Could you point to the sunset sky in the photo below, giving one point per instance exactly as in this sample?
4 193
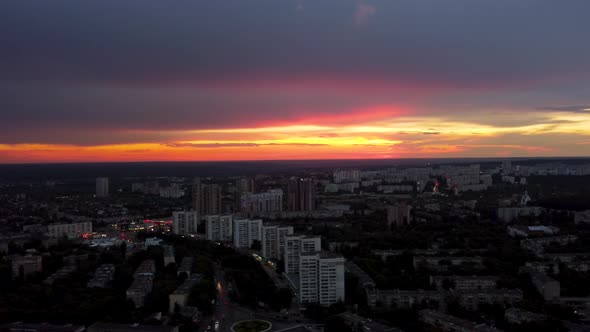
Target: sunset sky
113 80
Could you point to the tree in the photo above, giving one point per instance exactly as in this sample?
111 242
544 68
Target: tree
448 284
256 245
282 299
336 324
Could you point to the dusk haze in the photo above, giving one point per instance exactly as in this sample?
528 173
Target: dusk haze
242 80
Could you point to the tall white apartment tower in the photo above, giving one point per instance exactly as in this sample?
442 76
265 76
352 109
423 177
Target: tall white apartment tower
219 227
295 246
321 278
102 187
185 222
246 231
273 240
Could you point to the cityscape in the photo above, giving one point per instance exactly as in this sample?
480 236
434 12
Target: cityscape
294 166
498 245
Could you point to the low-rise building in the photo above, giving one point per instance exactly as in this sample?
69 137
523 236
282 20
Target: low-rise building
444 322
102 277
465 283
142 284
507 214
526 231
180 295
548 287
395 298
442 263
71 230
520 316
147 267
25 265
60 274
186 266
168 255
472 300
537 245
139 289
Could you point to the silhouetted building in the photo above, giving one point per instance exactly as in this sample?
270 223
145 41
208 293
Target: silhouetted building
185 222
246 231
270 201
207 198
102 187
399 215
242 186
301 194
219 227
273 240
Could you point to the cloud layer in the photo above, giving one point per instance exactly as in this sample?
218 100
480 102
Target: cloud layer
191 80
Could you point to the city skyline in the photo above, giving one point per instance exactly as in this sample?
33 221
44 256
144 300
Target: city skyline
196 81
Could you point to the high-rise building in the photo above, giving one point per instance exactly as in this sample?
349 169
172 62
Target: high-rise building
270 201
273 240
246 231
102 187
301 194
219 227
399 214
346 175
321 278
243 186
295 246
506 167
185 222
207 198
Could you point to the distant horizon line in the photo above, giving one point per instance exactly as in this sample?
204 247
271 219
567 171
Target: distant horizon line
491 158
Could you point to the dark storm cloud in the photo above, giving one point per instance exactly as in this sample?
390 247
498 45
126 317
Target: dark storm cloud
463 42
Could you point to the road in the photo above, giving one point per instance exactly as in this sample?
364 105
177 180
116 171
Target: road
226 313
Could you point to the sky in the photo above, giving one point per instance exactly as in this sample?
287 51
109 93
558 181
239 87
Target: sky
146 80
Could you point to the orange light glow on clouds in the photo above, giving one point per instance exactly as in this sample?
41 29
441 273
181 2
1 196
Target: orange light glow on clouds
385 136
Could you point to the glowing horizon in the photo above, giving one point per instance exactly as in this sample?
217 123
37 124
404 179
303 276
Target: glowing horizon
292 80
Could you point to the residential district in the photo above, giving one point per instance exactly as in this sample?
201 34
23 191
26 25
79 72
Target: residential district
494 246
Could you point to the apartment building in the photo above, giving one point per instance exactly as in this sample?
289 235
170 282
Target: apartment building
295 246
185 222
321 278
273 240
246 231
219 227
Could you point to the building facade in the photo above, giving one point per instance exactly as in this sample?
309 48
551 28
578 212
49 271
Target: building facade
207 198
273 240
399 215
270 201
321 278
71 230
219 227
102 187
185 222
246 231
294 247
26 265
301 194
